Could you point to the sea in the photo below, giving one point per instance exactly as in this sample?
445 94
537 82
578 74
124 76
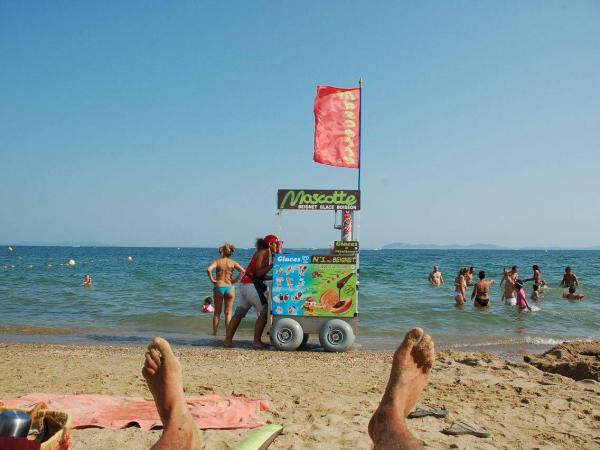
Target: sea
160 292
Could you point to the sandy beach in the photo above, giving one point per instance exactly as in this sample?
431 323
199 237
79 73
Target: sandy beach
324 400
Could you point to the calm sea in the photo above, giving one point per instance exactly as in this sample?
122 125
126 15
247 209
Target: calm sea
161 291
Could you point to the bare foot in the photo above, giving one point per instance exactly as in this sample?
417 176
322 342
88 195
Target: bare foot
411 367
162 372
258 345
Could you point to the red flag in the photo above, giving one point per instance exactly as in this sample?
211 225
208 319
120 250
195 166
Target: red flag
337 127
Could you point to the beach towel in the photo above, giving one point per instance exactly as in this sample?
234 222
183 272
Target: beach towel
107 411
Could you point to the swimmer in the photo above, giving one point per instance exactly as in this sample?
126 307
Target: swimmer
435 277
569 279
460 287
521 296
508 278
537 277
572 295
87 281
536 294
481 291
207 307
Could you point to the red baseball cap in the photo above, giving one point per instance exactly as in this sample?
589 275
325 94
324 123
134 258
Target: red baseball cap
271 239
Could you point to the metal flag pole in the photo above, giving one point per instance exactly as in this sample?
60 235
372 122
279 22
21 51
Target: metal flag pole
360 86
356 223
356 231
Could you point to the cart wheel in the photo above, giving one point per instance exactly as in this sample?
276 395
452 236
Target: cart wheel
304 340
286 334
336 336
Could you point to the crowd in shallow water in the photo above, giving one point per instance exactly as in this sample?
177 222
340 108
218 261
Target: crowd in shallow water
513 293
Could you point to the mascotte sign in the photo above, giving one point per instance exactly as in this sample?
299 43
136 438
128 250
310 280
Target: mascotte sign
320 200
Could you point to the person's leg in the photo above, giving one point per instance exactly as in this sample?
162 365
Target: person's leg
259 327
240 313
217 311
411 367
162 372
229 299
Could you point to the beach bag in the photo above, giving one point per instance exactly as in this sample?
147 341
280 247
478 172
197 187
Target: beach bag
52 429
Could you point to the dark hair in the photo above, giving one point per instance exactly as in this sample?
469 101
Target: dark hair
535 267
481 274
567 268
261 244
571 290
514 268
471 269
519 283
207 301
535 287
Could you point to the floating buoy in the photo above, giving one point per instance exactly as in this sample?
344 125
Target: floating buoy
71 263
129 258
178 248
10 249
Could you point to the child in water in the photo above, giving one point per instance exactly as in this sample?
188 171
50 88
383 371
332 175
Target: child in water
207 307
521 296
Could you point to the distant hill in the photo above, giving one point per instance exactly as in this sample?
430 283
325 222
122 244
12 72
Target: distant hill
404 246
60 244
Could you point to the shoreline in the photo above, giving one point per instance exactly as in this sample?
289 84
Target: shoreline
321 399
511 349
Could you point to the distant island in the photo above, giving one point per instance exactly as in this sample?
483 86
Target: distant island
405 246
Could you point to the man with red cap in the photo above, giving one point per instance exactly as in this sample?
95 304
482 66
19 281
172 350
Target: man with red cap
253 290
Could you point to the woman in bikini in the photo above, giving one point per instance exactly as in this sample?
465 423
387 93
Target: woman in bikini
460 287
481 291
224 289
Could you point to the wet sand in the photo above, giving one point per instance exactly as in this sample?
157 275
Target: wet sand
323 400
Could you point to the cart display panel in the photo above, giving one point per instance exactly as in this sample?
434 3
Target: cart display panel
314 285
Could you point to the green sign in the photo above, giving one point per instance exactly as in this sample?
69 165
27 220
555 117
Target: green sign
345 247
319 200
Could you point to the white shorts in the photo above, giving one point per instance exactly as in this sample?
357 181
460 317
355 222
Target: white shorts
248 298
510 301
457 295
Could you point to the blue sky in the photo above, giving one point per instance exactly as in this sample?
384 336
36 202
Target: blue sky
174 123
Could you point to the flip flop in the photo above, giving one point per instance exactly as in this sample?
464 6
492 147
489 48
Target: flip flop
440 413
460 428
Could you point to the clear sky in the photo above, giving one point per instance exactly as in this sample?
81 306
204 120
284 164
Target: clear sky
174 123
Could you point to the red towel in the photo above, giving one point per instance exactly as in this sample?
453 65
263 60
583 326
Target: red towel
107 411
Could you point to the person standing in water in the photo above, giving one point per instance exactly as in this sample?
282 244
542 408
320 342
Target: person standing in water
537 278
87 281
435 277
224 289
253 290
521 296
460 287
509 278
569 279
481 291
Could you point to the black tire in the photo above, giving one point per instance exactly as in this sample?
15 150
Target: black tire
286 334
336 336
304 340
